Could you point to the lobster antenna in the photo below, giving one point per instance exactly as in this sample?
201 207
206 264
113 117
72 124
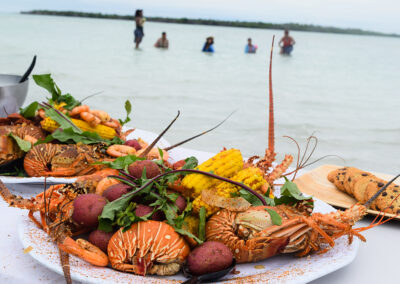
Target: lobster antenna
44 198
147 150
368 203
200 134
271 130
92 95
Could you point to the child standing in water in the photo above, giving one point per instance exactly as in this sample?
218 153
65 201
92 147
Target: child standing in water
139 20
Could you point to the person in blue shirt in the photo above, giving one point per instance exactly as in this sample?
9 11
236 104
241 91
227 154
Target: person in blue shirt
208 45
250 48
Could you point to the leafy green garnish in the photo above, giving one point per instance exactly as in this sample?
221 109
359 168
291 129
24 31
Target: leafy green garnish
275 217
45 81
253 199
118 213
57 97
63 121
30 110
121 163
290 189
202 223
190 163
290 194
128 108
22 144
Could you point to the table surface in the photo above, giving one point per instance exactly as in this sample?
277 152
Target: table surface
374 263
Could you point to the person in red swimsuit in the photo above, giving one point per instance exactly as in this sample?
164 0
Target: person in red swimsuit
286 43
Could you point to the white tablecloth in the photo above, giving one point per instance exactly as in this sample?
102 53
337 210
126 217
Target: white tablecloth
375 263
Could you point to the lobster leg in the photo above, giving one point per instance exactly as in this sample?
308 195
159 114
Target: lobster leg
84 250
260 248
30 215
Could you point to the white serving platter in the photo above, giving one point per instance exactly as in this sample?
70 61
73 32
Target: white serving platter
278 269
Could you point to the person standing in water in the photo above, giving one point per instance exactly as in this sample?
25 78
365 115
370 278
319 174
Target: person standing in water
208 45
286 43
250 48
139 20
162 42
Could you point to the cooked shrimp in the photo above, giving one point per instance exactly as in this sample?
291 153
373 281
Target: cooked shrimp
120 150
78 110
102 115
42 113
104 184
90 118
154 154
113 123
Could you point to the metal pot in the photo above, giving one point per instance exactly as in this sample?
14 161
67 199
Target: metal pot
12 93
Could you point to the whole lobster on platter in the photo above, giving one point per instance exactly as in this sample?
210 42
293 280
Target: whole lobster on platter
62 160
252 236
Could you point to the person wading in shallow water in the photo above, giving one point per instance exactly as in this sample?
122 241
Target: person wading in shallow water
162 42
250 47
139 20
209 45
286 43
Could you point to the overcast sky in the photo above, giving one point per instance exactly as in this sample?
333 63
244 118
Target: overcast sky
377 15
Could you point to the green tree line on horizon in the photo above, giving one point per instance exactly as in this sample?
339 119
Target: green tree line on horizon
241 24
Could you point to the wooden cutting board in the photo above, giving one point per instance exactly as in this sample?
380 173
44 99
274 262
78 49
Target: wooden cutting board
316 183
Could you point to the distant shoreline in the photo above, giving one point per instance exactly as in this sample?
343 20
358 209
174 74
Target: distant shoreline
241 24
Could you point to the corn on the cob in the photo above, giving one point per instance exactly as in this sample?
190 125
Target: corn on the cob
252 177
225 164
104 131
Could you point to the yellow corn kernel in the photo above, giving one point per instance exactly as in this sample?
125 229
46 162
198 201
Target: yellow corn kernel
104 131
225 164
191 223
198 203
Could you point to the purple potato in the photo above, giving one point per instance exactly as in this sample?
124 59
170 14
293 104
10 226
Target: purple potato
133 143
116 191
142 210
87 209
209 257
180 202
100 239
136 169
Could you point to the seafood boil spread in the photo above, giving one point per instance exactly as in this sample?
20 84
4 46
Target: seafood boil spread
134 209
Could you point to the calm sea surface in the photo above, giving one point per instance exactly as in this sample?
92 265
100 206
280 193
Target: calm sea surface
342 88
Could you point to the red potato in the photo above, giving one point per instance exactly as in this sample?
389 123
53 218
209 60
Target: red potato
100 239
87 209
133 143
116 191
178 165
136 169
209 257
142 210
180 202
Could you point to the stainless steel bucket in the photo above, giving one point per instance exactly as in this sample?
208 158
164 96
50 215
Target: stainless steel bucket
12 93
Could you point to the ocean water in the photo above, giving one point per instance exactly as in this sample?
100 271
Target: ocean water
344 89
